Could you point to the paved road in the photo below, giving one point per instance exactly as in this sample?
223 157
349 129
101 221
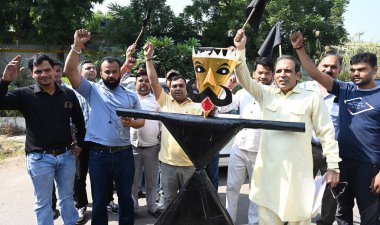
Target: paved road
16 198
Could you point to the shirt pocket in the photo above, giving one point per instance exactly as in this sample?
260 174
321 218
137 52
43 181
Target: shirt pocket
297 113
271 112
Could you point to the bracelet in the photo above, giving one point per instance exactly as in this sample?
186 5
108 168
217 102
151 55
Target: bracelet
149 59
298 47
336 170
78 52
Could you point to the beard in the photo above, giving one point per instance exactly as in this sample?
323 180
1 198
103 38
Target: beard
109 84
198 98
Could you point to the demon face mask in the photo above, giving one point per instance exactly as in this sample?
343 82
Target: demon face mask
213 67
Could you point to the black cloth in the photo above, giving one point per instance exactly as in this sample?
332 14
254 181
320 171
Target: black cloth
359 176
329 203
48 117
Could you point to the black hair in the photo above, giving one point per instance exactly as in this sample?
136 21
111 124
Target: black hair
365 57
111 59
80 66
38 58
178 77
339 57
58 63
267 63
297 64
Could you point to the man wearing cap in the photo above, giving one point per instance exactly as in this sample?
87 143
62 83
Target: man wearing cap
169 76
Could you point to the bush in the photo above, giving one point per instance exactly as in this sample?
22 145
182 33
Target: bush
11 130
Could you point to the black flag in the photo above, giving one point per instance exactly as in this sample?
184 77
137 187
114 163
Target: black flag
259 6
147 16
273 39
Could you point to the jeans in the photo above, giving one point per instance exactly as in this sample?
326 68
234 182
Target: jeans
104 167
43 169
212 170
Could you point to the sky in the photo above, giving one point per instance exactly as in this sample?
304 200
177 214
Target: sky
360 19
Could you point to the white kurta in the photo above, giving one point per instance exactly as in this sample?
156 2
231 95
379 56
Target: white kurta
283 175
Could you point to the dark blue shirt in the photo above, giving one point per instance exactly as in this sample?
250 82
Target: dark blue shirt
359 122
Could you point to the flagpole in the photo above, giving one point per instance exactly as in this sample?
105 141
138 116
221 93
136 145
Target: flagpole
138 37
249 17
280 50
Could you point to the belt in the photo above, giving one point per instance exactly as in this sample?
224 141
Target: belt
54 151
317 145
111 149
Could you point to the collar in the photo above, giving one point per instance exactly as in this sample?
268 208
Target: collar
38 88
295 90
188 100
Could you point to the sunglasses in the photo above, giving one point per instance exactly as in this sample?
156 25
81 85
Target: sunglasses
338 190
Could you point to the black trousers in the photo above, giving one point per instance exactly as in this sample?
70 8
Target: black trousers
80 193
359 177
329 203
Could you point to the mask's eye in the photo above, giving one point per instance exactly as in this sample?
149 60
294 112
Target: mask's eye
199 69
223 71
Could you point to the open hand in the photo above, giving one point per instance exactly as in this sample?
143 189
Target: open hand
11 71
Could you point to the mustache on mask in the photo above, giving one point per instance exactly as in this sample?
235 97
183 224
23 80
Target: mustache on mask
199 97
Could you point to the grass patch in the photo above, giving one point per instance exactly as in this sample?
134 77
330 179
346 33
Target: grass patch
11 146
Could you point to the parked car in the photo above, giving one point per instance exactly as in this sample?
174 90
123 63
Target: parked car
224 154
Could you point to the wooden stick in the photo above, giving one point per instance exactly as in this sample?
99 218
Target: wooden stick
280 50
249 17
138 37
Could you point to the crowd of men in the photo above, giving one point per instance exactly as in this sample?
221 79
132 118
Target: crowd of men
340 142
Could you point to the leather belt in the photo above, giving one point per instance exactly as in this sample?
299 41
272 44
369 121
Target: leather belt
317 145
54 152
111 149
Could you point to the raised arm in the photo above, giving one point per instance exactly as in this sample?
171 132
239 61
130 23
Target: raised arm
151 71
11 71
242 72
81 37
322 78
129 60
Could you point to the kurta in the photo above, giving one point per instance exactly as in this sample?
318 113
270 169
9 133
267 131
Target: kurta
283 176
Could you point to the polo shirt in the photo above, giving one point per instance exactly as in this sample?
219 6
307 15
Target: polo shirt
171 153
48 117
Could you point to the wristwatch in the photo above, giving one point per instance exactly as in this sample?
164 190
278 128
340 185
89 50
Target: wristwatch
336 170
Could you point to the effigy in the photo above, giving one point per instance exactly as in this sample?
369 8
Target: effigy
197 203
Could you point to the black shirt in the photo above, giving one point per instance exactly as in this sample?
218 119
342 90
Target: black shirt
48 117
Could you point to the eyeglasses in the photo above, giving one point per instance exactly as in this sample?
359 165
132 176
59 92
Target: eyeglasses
338 190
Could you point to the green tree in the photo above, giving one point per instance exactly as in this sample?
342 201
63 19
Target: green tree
218 21
56 20
169 55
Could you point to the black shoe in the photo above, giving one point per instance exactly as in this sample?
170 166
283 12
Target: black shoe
113 207
141 194
56 214
155 214
82 215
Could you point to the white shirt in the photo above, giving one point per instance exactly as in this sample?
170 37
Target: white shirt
246 139
149 134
